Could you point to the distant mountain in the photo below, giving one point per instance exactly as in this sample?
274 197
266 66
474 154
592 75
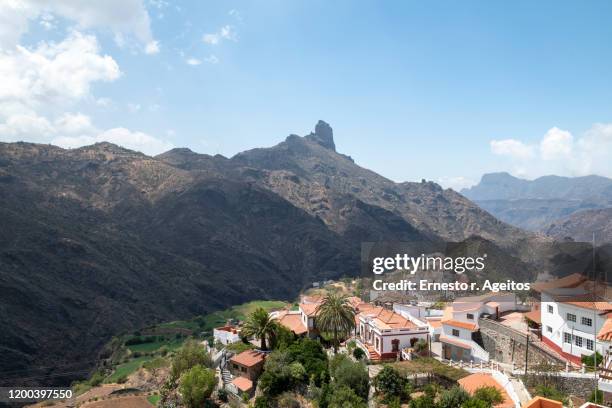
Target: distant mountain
100 240
534 205
582 225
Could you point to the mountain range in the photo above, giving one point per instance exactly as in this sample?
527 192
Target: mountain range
543 203
100 240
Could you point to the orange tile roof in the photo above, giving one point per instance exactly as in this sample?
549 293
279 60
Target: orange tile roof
492 304
534 316
541 402
605 333
310 309
387 319
570 281
475 381
243 384
435 323
249 358
598 305
293 321
460 324
455 342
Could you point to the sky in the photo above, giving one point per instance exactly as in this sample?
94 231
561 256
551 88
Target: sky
444 91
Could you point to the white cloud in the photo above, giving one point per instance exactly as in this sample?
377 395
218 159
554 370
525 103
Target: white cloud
456 183
152 48
512 148
226 32
26 126
138 141
193 61
211 59
52 73
556 144
561 153
74 124
124 18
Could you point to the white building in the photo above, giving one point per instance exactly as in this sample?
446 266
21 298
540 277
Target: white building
384 333
226 334
572 322
460 324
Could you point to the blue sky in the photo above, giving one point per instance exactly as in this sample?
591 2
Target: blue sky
440 90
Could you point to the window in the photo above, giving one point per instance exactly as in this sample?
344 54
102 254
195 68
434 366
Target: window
550 309
578 341
587 321
571 317
455 332
470 316
549 329
567 338
589 344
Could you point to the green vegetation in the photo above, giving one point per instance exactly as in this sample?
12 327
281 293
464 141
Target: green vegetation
208 322
597 397
147 347
190 355
589 361
153 399
239 347
548 391
336 318
358 353
346 373
260 325
390 383
125 369
490 395
197 384
432 366
453 397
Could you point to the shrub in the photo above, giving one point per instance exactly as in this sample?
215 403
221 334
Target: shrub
287 400
589 361
475 403
597 397
358 353
344 397
196 385
222 394
263 401
96 379
489 395
424 401
353 375
389 382
551 393
122 380
453 397
188 356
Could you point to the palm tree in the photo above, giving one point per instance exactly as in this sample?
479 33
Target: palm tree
260 325
335 317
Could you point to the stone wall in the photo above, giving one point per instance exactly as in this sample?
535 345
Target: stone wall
507 345
579 386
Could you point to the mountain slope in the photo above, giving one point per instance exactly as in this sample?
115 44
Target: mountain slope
582 225
536 204
101 240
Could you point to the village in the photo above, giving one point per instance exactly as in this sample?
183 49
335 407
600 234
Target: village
334 349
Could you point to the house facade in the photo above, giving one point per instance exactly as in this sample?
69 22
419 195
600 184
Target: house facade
384 333
460 332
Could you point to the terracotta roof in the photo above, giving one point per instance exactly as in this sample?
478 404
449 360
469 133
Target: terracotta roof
475 381
230 329
534 316
387 319
570 281
597 305
249 358
455 342
492 304
243 384
541 402
310 309
605 333
460 324
435 323
293 321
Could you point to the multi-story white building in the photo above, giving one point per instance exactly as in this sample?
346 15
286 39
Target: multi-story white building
573 322
459 334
